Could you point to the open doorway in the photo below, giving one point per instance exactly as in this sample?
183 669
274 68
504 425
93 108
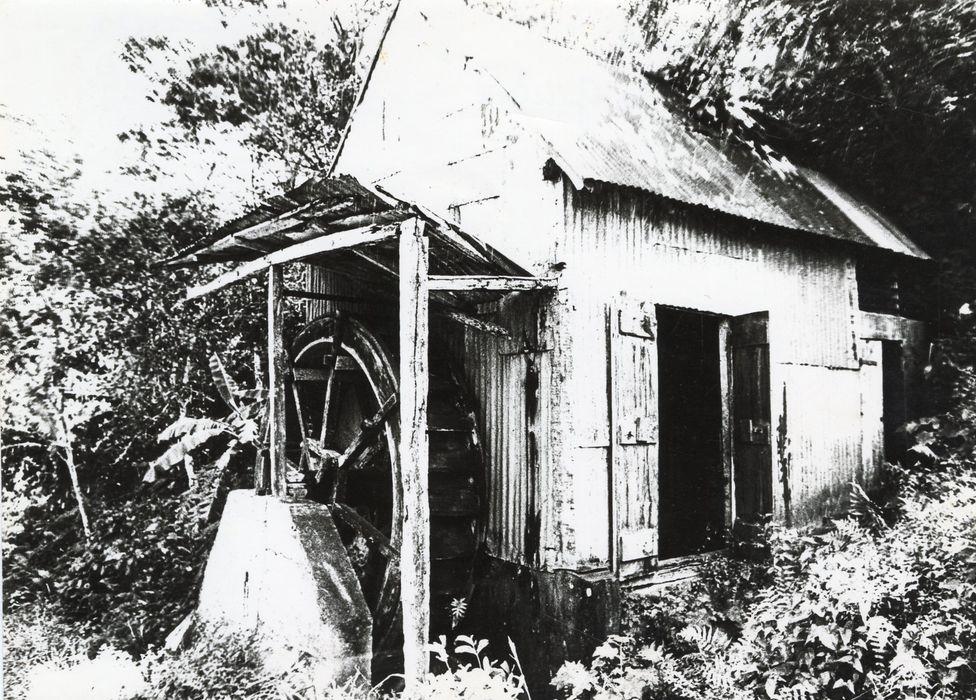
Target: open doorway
894 413
691 476
883 409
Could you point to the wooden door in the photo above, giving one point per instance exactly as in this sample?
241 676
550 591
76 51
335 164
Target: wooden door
751 418
872 410
633 437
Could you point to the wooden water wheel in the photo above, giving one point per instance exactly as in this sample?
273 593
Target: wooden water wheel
343 437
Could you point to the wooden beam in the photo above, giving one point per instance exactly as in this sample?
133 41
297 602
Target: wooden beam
414 450
478 324
488 283
259 232
303 374
316 227
375 263
323 244
277 368
299 294
360 220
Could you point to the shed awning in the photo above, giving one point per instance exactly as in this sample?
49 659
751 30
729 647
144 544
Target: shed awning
340 224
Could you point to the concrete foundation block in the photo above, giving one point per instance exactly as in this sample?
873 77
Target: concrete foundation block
279 575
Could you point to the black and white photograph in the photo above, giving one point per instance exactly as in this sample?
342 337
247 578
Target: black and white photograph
488 349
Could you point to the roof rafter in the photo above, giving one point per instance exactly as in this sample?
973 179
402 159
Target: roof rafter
316 246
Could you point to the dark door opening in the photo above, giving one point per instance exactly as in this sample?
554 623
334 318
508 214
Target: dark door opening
894 412
691 469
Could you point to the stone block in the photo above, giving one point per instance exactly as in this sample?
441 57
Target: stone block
279 574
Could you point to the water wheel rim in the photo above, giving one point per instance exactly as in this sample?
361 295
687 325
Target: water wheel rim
383 382
370 356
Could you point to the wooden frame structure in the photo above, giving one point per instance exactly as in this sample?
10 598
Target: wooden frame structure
415 285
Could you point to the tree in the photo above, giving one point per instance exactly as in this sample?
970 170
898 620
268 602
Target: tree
879 95
279 90
99 353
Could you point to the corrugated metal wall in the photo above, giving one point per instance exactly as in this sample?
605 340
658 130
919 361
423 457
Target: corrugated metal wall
512 379
549 469
323 281
619 241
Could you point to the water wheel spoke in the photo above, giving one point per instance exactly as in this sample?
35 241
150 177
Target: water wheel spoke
348 379
366 457
365 528
294 475
303 462
330 367
371 427
321 460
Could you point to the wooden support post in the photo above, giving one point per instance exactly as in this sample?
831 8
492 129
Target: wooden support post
415 550
277 369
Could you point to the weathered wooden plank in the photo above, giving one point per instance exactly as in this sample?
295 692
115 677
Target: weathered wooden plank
725 388
751 412
871 378
319 296
488 283
277 369
633 414
360 220
370 429
306 374
324 244
414 380
479 324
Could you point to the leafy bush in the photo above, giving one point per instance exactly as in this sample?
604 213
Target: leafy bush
621 668
107 675
34 636
470 673
216 666
892 615
853 611
130 585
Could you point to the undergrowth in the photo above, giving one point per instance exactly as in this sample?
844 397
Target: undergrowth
879 604
47 660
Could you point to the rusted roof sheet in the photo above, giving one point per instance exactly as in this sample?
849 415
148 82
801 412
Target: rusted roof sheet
323 206
882 232
605 123
335 198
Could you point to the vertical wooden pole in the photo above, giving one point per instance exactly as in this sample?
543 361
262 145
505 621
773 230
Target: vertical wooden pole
725 388
415 551
277 368
613 455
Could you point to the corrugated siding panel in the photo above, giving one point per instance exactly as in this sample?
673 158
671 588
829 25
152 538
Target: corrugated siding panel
823 424
664 253
521 515
671 254
323 281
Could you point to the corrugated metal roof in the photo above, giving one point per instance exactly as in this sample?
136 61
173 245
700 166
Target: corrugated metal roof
334 198
609 124
884 233
323 206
